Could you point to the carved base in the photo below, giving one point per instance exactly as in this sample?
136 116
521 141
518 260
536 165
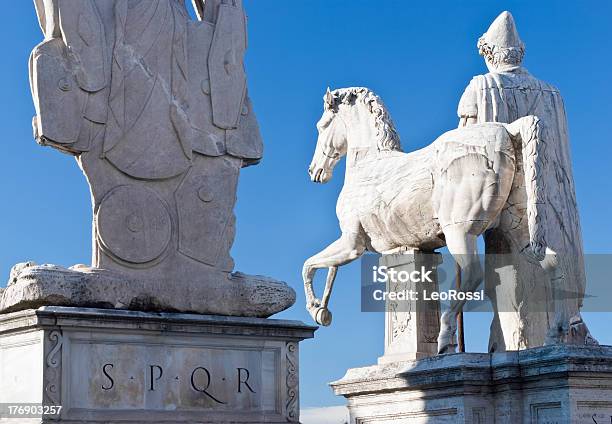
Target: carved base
134 367
411 327
553 385
217 293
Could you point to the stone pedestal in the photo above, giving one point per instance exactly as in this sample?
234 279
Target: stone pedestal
106 366
548 385
411 326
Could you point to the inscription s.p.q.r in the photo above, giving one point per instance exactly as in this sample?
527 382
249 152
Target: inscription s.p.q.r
156 373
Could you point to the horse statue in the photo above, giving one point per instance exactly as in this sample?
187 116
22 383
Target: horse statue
445 194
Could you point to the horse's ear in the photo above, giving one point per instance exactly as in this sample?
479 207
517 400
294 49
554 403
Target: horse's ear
329 98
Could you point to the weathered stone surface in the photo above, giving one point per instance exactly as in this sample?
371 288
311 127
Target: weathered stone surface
520 290
236 294
154 107
445 194
411 327
133 224
552 384
134 367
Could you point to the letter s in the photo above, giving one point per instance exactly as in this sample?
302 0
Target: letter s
382 272
112 382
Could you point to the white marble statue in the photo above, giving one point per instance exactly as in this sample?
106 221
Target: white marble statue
520 290
154 107
447 193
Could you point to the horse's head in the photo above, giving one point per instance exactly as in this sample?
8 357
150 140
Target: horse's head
331 144
354 116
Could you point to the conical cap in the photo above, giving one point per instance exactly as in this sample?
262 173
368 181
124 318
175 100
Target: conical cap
502 33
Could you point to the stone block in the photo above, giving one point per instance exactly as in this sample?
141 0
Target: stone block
135 367
559 384
411 326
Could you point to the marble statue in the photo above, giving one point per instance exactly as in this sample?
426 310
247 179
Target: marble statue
519 289
447 193
155 109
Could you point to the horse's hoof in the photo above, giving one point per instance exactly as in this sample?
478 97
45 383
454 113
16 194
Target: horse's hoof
319 314
447 348
323 316
446 341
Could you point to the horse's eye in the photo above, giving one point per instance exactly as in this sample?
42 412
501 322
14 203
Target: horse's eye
325 121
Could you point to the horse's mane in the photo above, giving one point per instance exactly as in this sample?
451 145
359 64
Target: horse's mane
388 138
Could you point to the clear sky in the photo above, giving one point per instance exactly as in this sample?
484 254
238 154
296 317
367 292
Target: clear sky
418 56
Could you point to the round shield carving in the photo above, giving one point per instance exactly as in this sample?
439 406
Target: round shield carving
133 224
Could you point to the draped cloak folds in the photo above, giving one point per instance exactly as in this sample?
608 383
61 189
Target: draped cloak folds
160 94
523 307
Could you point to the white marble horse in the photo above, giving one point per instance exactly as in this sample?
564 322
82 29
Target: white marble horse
445 194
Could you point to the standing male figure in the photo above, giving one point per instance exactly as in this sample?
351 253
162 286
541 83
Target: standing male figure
521 293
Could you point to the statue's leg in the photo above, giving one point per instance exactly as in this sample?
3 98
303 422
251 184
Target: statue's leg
567 327
510 284
344 250
319 311
329 285
554 270
462 245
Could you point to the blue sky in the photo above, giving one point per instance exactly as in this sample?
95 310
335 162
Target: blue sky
418 56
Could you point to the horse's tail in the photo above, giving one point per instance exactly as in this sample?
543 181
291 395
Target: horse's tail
529 130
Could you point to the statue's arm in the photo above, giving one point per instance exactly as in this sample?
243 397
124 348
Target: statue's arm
468 106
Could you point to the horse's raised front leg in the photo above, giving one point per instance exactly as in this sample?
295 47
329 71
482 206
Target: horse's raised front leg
344 250
462 245
318 308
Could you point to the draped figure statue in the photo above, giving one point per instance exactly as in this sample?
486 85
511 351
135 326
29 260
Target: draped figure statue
523 297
